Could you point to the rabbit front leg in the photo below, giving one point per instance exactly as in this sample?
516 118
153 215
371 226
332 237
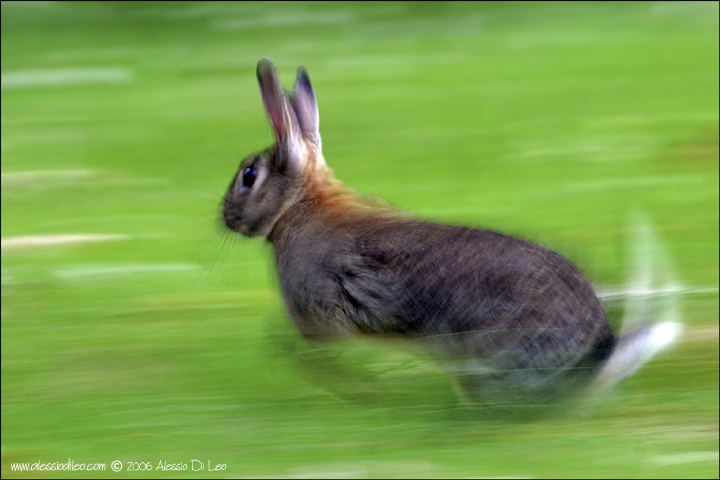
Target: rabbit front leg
315 322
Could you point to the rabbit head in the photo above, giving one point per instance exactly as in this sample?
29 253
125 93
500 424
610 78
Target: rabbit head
270 181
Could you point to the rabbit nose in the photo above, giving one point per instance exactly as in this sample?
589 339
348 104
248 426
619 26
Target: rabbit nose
228 220
231 219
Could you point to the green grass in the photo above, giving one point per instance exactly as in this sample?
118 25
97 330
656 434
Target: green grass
549 121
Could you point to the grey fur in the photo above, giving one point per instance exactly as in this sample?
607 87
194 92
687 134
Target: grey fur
502 313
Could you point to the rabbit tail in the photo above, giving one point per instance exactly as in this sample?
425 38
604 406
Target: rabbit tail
651 320
632 350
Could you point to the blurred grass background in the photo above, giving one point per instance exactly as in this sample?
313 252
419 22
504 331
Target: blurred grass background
164 338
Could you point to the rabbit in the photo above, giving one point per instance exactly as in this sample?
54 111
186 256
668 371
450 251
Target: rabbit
504 315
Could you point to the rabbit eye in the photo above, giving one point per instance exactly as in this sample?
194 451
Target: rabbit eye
248 177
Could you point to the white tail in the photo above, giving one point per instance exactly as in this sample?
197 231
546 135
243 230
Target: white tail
652 317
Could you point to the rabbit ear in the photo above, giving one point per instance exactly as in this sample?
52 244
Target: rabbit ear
305 106
281 113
